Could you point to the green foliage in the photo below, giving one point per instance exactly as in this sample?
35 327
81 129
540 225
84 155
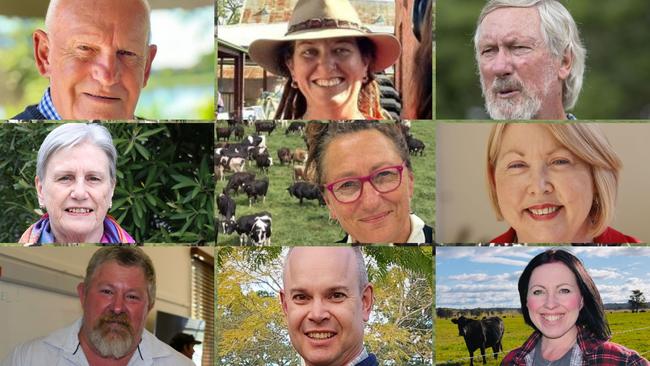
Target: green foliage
164 190
309 224
615 82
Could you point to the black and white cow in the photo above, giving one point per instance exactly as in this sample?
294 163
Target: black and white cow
255 228
306 190
415 146
481 334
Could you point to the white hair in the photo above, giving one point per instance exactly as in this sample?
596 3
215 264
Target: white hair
560 34
73 134
55 4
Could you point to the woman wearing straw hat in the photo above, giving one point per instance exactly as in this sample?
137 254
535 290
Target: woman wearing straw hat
329 58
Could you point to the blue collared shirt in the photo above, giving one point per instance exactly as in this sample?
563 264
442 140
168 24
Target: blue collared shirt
46 107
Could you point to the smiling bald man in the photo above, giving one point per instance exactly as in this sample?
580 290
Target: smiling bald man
97 56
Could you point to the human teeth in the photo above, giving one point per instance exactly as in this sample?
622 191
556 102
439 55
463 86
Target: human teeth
544 211
329 82
320 335
552 318
79 210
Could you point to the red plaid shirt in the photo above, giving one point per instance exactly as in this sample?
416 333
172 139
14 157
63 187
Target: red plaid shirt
591 352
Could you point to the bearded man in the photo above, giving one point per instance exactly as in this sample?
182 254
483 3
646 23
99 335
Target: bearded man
118 292
530 59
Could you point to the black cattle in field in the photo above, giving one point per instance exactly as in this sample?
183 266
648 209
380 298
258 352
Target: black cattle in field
226 207
255 228
223 133
295 127
237 180
305 190
415 146
261 126
284 155
255 189
481 334
263 161
238 131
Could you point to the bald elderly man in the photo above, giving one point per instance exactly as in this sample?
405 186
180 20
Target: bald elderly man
97 56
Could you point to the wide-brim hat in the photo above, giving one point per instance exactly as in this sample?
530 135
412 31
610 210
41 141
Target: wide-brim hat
321 19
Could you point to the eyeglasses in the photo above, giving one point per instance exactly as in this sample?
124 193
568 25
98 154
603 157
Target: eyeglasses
384 180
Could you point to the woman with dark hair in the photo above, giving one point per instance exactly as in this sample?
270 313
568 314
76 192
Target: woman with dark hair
365 174
560 301
328 58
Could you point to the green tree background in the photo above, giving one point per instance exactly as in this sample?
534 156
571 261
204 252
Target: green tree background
164 191
617 76
251 329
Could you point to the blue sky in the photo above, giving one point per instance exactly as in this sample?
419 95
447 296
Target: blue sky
469 277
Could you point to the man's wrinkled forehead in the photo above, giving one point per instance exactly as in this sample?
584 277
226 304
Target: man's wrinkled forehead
511 22
130 17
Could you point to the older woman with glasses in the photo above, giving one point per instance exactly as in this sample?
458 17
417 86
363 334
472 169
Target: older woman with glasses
365 172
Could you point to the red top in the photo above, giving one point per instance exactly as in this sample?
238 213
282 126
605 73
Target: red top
609 236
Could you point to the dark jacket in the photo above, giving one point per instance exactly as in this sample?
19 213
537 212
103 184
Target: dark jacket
31 112
371 360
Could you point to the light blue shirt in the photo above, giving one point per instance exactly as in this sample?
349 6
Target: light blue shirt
62 348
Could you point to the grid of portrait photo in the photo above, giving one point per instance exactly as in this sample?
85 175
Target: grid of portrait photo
324 183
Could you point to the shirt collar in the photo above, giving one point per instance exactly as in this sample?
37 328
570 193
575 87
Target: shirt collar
46 107
360 358
416 236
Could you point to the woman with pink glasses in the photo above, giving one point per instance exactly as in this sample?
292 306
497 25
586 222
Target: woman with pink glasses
365 173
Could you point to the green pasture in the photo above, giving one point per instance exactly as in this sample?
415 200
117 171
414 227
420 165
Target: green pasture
294 224
628 329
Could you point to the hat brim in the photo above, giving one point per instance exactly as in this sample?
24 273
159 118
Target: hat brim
265 52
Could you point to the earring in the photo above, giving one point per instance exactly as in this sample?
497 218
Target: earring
365 79
294 84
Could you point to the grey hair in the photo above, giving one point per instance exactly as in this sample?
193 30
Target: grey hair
560 34
360 263
127 256
73 134
54 5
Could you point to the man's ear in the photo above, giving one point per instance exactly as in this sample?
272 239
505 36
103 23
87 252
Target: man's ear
153 49
283 301
81 291
42 52
367 299
566 62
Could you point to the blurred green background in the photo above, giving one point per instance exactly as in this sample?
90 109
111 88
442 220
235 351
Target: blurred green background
164 191
181 85
617 76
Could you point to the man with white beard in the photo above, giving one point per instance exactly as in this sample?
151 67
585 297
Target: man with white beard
118 292
530 59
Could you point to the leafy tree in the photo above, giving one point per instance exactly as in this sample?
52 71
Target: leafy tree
637 301
164 190
229 11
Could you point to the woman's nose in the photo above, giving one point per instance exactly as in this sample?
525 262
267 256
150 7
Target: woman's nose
539 181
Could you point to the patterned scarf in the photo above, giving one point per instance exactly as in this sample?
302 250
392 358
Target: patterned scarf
41 233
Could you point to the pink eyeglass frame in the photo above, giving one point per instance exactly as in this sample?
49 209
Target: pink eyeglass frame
367 178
